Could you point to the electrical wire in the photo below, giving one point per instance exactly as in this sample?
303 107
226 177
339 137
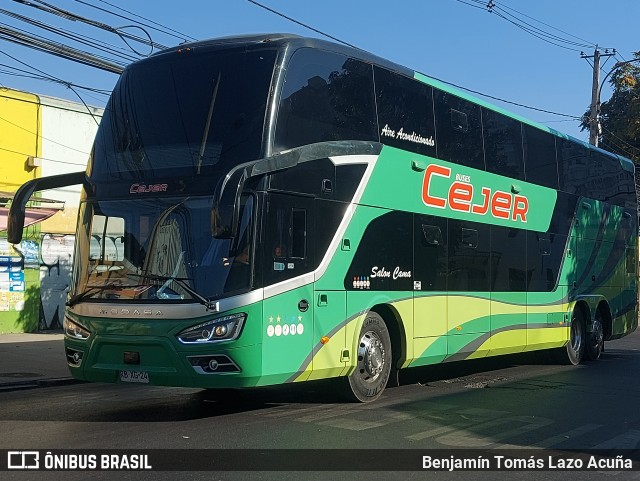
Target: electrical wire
18 72
621 140
60 50
302 24
43 158
589 43
52 9
82 39
166 30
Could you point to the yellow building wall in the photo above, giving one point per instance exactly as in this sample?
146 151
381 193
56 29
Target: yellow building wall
19 127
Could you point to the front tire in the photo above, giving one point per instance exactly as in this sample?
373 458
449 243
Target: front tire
368 380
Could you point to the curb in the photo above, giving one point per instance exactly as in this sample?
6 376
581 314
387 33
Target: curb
39 383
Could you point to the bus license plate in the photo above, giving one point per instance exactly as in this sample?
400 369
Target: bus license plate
134 376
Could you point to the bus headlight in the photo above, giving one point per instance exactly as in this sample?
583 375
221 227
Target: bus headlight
75 330
222 329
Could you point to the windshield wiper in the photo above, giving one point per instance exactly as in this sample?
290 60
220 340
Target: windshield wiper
205 134
92 289
210 305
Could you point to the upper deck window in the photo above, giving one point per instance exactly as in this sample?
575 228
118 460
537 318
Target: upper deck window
325 96
185 113
405 112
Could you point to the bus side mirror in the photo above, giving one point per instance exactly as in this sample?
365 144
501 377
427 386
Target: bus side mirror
225 212
15 222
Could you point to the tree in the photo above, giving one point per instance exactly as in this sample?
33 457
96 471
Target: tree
620 115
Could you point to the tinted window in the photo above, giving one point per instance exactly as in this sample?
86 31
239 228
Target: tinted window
288 239
384 258
573 173
503 144
544 260
184 114
540 157
405 112
468 259
458 130
608 180
306 178
508 259
430 264
325 97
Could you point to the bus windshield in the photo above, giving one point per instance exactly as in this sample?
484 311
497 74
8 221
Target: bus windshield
184 113
159 250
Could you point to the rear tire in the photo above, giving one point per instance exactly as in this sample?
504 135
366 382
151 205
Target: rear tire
368 380
573 352
595 339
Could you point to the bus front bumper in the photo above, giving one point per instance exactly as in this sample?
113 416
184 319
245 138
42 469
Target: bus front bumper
159 361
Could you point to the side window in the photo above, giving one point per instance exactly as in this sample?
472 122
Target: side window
503 144
540 157
606 182
508 259
325 96
458 130
468 256
405 112
573 172
430 263
287 251
383 260
545 252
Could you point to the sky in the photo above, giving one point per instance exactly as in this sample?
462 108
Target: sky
458 41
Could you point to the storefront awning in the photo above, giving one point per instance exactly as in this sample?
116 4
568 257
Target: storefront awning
32 216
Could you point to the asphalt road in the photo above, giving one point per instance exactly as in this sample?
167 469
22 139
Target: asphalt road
511 402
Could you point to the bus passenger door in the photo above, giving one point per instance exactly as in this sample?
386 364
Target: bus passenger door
330 298
288 308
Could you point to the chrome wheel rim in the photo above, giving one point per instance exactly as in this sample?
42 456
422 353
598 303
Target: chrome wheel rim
371 356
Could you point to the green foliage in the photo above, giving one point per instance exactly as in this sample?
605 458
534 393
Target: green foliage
620 115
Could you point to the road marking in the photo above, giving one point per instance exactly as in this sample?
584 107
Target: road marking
471 417
554 440
467 439
628 440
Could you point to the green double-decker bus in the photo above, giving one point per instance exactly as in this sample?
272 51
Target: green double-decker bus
273 209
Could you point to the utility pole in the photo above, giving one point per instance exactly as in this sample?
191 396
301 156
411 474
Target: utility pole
594 126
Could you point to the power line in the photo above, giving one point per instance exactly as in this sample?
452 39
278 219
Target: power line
58 49
41 136
574 117
82 39
532 32
589 44
302 24
44 158
18 72
518 19
624 142
164 29
52 9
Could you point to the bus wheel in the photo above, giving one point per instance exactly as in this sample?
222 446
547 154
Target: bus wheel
370 377
595 338
573 352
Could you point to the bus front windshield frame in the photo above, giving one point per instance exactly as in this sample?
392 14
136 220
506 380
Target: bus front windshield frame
160 250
